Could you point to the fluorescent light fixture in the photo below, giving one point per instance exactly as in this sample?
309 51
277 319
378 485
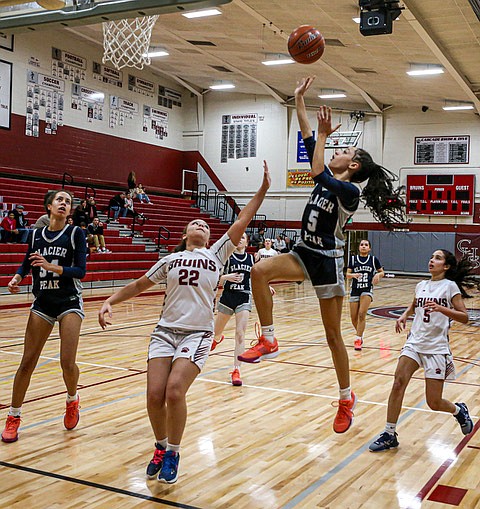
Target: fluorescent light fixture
458 107
201 14
222 86
333 95
356 19
156 52
278 59
425 70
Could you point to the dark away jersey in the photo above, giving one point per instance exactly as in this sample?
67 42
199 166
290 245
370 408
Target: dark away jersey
241 263
367 266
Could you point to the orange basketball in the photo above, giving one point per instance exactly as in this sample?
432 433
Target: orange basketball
306 44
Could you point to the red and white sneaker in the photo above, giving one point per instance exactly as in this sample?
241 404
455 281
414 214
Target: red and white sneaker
357 344
10 433
72 414
344 418
216 343
236 380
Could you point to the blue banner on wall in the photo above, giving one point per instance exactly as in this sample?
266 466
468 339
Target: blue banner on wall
302 156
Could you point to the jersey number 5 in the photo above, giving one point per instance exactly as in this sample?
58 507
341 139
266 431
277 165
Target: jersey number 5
312 221
188 278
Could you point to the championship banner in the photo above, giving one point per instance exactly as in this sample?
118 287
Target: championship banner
299 179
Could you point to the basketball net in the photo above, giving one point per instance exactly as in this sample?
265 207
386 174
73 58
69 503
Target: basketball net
126 42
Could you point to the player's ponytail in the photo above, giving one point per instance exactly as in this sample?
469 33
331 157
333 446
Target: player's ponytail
379 195
183 244
459 271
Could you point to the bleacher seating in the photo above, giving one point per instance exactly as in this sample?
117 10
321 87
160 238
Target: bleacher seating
130 256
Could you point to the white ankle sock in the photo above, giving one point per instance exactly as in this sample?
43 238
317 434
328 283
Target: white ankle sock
390 427
174 448
457 409
162 442
72 398
15 412
346 393
268 332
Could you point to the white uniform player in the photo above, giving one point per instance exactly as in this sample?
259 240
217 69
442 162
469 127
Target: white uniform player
437 302
266 252
181 340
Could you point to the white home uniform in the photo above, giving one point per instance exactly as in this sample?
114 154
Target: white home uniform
428 342
185 328
266 253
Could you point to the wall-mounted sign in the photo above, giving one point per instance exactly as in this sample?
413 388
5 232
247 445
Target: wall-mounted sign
442 150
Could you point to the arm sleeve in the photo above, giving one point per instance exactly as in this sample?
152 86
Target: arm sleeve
350 263
223 249
79 257
158 273
346 192
310 147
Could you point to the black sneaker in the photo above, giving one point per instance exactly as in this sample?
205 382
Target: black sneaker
464 419
384 442
156 464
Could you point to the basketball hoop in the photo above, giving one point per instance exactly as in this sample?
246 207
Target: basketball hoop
126 42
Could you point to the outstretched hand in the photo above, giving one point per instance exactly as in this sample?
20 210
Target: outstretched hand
267 180
324 117
105 309
304 84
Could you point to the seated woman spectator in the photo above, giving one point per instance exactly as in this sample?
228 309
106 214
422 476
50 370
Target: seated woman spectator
130 209
44 221
258 238
22 223
279 244
142 194
95 235
80 213
117 204
91 209
10 232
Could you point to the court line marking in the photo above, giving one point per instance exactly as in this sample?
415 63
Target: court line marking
91 484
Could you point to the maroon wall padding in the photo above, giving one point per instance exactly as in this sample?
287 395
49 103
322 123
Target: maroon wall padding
89 155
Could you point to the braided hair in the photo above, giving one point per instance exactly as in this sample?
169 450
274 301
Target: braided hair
379 195
460 272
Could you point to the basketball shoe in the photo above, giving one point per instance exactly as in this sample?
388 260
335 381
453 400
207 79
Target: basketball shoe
216 343
464 419
72 414
384 442
262 349
236 380
169 470
156 462
344 418
10 433
357 344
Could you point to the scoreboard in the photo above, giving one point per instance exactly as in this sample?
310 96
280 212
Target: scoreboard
440 195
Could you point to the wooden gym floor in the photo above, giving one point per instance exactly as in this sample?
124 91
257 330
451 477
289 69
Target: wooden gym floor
268 444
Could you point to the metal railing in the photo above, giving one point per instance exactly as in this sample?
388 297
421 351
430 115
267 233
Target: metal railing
161 236
93 194
64 179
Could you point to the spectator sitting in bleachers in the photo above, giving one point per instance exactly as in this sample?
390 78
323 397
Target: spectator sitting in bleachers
117 204
279 244
95 235
22 223
10 232
43 221
91 209
130 209
258 238
80 213
142 194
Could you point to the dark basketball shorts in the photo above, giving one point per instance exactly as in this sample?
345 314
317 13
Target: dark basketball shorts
355 296
55 308
325 273
234 302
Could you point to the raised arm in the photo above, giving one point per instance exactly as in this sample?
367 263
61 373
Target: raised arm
302 86
325 129
235 231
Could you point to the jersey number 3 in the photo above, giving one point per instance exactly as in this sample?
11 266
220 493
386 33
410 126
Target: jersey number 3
188 278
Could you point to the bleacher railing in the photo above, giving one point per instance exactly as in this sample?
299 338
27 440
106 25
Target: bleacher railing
92 194
162 236
67 179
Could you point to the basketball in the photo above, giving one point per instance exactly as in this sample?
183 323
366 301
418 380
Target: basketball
306 44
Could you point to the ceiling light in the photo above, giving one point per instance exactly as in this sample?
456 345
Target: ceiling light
332 94
277 59
458 107
201 14
425 70
156 52
222 86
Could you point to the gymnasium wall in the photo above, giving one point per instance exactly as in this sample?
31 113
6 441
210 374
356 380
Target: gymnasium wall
91 149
